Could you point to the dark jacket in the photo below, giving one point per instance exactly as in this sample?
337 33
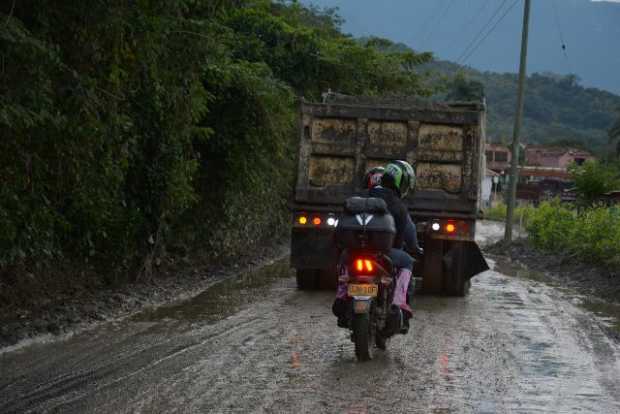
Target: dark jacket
405 229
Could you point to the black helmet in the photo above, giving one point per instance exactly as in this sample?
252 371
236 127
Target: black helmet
373 177
399 175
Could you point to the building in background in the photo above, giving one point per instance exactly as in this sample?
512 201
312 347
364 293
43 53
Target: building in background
555 157
498 157
543 172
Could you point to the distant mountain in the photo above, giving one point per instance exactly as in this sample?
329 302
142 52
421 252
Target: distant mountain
557 109
590 32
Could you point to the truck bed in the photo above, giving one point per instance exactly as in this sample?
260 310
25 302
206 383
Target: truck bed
343 137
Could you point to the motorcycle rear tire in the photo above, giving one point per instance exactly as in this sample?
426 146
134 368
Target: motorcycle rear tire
363 337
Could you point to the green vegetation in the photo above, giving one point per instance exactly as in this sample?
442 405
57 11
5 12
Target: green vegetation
593 179
557 109
589 230
498 213
133 130
592 235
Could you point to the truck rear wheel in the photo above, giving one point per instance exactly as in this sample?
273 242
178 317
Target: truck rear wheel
307 279
328 279
444 268
456 284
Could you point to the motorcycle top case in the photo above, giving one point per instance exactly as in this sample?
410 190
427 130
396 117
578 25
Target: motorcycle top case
365 223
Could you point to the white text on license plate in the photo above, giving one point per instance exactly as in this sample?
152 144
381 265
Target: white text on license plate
363 290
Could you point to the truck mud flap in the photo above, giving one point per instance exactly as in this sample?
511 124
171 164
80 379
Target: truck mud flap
467 257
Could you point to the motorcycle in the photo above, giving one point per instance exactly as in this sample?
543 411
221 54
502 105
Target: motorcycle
365 233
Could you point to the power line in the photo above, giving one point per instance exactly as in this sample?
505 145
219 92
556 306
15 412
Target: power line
431 18
484 27
490 31
557 23
474 16
441 16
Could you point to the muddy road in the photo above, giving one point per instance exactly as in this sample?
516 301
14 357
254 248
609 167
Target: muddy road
256 344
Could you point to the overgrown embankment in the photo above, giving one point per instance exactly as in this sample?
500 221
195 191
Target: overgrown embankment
591 235
581 247
133 133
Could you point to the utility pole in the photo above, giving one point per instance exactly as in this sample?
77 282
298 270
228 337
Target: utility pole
514 162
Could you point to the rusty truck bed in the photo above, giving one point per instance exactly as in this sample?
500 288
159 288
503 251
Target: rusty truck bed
341 140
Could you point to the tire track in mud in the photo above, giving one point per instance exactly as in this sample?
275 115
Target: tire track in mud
512 346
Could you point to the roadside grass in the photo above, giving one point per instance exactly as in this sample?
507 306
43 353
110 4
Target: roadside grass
498 213
592 235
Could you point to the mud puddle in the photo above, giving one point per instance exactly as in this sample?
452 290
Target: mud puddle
223 299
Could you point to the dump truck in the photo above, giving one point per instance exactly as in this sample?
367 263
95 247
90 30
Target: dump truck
342 137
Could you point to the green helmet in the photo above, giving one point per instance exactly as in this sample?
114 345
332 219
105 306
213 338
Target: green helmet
399 175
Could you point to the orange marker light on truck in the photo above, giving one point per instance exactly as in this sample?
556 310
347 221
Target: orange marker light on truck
450 228
316 221
303 219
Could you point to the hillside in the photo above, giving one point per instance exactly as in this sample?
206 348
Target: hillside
136 133
557 108
589 30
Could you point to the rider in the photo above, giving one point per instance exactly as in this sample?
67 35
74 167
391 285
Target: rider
392 184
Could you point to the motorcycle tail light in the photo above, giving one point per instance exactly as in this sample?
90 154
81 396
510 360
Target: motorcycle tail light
359 265
363 267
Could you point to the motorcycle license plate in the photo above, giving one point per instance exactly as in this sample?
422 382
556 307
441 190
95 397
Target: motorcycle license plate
364 290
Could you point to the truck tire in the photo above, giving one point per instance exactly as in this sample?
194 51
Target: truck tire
363 337
328 279
456 283
433 280
307 279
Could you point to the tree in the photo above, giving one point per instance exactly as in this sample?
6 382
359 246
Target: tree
593 179
463 89
126 126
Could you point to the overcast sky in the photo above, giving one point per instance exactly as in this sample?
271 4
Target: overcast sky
566 36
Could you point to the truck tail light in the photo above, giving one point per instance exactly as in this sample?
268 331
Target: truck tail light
450 228
317 220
